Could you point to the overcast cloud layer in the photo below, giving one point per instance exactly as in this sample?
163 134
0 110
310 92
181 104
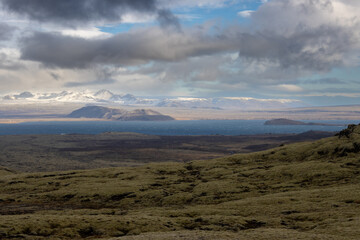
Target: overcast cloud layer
276 50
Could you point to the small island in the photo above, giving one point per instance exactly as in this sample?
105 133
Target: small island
284 121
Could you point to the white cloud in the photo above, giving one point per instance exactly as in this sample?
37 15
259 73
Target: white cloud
246 13
287 17
192 3
288 88
137 18
87 33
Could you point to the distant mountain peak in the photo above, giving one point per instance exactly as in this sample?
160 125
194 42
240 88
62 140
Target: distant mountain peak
103 92
25 95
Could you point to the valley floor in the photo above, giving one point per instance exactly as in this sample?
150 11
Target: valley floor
35 153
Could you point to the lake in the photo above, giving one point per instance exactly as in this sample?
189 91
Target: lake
196 127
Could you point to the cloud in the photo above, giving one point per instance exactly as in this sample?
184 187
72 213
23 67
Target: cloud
9 60
292 34
55 76
166 19
194 4
6 31
88 33
9 64
245 13
325 81
132 48
91 83
196 69
79 11
315 35
318 49
288 88
282 41
221 74
103 76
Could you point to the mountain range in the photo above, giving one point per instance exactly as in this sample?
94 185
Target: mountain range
106 97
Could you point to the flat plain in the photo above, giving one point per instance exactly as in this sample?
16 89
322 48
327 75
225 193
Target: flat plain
34 153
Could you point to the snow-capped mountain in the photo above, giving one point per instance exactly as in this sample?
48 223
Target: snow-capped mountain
230 102
102 96
106 97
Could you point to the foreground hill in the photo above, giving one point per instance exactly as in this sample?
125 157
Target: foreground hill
119 114
297 191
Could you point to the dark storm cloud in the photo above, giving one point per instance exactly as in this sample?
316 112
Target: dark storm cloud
55 50
167 19
76 11
6 31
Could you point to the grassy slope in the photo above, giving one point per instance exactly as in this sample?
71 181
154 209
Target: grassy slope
298 191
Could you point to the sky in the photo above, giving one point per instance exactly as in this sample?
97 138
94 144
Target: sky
296 49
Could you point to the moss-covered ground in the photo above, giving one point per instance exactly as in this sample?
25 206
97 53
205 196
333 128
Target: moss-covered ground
305 190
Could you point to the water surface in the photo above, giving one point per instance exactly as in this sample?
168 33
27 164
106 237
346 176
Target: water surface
195 127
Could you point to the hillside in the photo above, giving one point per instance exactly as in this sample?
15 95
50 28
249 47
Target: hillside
299 191
119 114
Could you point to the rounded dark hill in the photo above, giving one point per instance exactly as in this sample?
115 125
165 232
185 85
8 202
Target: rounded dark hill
285 121
119 114
90 112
